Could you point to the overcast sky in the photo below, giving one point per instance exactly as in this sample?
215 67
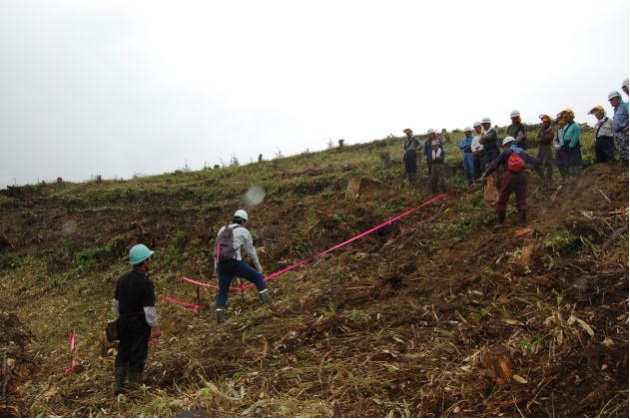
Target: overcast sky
124 88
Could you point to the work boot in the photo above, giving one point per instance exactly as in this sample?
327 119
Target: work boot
135 380
220 315
523 220
120 372
264 296
500 220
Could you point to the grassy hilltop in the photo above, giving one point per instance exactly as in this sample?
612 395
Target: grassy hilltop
402 322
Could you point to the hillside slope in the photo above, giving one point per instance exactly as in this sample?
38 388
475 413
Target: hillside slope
402 322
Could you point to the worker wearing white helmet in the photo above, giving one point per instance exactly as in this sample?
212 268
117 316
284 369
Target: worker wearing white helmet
228 262
515 177
517 129
620 124
604 136
466 146
624 86
489 140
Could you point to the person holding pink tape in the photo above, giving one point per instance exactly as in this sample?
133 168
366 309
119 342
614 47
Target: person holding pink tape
226 268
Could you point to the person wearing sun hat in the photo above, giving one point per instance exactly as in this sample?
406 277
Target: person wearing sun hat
571 143
544 139
410 157
604 136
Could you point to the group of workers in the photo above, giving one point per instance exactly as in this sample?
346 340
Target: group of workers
482 154
134 296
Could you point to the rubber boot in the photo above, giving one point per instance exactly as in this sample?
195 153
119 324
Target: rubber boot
500 220
264 296
120 373
523 219
135 380
220 315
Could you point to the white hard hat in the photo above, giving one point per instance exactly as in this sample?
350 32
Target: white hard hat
468 129
241 214
508 140
477 124
613 94
486 121
514 114
430 131
625 83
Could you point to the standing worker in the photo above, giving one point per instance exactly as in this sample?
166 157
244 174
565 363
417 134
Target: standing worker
561 155
134 304
428 147
477 150
411 155
620 124
571 143
514 180
228 262
517 130
624 86
544 140
465 146
604 136
438 172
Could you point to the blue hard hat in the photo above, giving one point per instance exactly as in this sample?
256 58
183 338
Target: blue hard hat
139 253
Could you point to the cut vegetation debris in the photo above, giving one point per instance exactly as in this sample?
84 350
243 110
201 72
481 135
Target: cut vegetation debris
435 315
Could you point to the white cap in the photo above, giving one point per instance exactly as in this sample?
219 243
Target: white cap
468 129
241 214
430 131
508 140
486 121
613 94
514 114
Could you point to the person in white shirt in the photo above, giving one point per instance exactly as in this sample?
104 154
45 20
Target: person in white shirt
227 269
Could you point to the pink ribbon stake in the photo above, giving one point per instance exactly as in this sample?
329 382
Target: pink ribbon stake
183 303
73 362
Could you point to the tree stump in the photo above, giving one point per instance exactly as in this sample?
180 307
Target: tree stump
498 364
352 191
386 160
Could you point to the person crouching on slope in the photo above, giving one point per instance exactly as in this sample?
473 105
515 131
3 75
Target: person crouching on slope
226 268
514 179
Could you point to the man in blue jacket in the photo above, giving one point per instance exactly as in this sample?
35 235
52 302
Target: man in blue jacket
514 180
620 124
465 146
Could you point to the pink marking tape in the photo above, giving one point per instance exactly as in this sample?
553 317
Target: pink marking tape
288 268
183 303
72 349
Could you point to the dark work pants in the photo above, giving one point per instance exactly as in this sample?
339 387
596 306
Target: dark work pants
133 333
513 182
604 149
228 270
411 164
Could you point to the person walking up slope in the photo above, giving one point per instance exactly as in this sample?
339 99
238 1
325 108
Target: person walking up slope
228 262
514 179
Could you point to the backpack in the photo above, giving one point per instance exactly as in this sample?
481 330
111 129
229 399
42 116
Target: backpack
224 247
515 163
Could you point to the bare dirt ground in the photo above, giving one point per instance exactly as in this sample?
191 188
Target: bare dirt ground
436 315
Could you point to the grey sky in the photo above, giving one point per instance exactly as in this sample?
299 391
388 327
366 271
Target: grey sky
119 88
